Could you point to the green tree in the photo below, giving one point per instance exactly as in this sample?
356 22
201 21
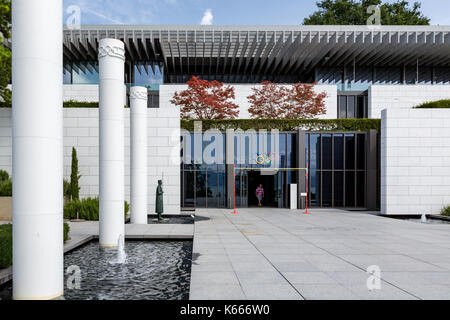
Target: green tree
74 177
5 52
354 12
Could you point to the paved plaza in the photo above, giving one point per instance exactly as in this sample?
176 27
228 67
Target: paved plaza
282 254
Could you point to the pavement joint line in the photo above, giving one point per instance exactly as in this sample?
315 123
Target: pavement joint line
281 274
343 260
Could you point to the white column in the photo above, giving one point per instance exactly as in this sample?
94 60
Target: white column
138 145
37 149
111 140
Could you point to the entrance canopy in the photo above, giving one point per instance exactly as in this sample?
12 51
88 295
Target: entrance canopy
262 50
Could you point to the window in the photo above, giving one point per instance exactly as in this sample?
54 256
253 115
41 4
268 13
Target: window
203 185
352 106
337 163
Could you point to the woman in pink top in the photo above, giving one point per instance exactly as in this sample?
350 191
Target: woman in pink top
260 194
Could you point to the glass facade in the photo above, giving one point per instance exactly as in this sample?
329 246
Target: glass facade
336 160
203 180
262 150
337 163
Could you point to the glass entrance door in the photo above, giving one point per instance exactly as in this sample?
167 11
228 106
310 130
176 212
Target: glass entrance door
241 188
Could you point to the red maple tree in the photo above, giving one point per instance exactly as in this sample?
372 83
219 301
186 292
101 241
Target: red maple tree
206 100
267 101
299 101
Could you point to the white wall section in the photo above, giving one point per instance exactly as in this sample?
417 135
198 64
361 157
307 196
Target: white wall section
403 96
415 161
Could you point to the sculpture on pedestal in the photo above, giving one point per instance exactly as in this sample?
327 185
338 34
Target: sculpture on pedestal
159 200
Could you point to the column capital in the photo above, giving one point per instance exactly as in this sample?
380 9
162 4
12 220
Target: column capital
139 93
112 48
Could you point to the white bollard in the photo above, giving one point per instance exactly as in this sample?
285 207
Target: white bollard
138 148
111 141
37 137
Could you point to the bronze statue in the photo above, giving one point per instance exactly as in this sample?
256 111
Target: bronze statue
159 200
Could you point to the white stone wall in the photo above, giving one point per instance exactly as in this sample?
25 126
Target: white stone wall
81 132
403 96
80 92
415 161
245 90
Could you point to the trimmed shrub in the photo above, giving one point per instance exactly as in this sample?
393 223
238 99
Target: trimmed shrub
74 177
6 188
66 231
88 209
127 208
4 175
446 211
442 104
5 245
287 124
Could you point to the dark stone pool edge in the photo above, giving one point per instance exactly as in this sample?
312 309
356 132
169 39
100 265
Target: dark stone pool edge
6 275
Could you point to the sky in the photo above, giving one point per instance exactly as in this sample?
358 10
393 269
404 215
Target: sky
217 12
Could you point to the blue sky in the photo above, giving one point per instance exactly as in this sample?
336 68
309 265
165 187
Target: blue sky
218 12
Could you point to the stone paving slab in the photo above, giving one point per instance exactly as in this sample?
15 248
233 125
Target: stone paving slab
282 254
134 231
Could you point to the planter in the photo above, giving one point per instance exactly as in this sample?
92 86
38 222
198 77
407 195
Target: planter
5 208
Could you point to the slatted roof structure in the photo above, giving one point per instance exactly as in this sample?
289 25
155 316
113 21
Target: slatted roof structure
261 50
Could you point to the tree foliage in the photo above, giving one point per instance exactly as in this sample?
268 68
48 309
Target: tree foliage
5 52
354 12
299 101
205 99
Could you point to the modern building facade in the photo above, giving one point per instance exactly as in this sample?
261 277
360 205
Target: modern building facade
366 73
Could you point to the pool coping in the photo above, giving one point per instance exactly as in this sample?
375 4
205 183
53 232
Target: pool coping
77 240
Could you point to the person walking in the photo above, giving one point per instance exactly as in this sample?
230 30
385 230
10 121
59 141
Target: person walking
260 194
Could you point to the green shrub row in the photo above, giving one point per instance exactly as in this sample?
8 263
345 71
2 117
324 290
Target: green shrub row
287 125
88 209
446 211
434 104
67 104
5 245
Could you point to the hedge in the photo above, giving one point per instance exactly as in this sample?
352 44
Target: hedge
5 245
434 105
287 125
88 209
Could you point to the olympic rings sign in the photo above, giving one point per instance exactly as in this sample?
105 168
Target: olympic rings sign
264 158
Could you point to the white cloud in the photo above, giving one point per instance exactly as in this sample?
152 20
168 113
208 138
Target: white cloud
207 18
